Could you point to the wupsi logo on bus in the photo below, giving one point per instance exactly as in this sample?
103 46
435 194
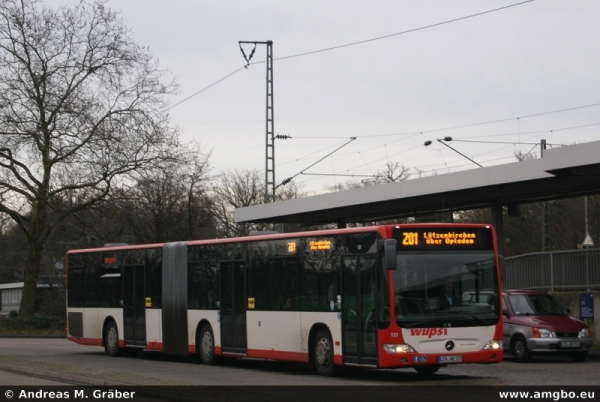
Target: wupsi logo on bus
428 332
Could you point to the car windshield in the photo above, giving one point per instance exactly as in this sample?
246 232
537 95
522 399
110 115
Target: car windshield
535 304
429 289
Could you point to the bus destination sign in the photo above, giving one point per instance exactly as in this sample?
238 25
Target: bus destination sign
322 244
444 238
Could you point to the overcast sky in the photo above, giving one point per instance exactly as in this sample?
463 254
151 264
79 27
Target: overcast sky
527 73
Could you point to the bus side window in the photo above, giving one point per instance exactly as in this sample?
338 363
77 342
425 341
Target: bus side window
333 294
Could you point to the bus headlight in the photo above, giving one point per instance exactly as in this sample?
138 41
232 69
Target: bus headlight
395 348
494 344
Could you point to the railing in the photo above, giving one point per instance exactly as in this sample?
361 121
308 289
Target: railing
555 270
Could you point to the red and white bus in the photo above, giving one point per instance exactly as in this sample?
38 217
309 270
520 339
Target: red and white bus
368 297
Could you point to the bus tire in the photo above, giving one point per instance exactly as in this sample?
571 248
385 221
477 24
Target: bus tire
323 353
206 345
111 340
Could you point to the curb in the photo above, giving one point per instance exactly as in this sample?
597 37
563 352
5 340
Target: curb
51 336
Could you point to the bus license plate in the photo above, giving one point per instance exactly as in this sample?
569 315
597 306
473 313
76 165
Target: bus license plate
450 359
569 344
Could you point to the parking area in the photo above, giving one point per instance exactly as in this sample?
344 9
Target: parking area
61 359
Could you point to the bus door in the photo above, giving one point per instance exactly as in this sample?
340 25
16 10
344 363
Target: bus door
233 306
134 311
359 312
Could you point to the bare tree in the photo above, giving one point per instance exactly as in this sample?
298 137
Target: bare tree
81 107
200 222
393 172
14 247
236 189
520 156
172 204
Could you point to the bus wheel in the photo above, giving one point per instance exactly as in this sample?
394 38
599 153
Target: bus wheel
111 340
323 353
206 345
426 370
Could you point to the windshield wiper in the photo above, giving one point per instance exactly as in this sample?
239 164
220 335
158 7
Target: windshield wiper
481 320
416 324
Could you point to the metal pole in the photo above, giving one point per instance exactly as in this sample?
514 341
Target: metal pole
460 153
542 148
270 130
585 201
545 234
270 122
552 272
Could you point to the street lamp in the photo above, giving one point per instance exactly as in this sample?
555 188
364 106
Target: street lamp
448 139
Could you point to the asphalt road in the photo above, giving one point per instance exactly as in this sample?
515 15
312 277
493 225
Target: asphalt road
35 361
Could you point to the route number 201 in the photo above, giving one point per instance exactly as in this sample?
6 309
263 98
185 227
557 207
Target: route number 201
410 239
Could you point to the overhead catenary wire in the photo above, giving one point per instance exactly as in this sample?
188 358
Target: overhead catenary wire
540 132
343 46
412 133
474 124
289 179
404 32
206 88
446 165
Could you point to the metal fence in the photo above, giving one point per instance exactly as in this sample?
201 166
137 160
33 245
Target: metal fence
556 270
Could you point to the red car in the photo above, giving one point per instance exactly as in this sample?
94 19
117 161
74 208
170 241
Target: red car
535 322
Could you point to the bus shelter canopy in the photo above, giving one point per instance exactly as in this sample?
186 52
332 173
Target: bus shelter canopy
565 172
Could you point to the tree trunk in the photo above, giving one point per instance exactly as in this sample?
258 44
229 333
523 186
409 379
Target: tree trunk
32 273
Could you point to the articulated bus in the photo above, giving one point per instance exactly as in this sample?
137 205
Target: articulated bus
369 297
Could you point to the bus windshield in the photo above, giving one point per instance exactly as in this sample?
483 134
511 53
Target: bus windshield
434 289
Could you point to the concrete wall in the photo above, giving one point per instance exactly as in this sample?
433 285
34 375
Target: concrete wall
570 300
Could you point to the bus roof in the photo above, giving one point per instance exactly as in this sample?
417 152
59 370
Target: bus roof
383 230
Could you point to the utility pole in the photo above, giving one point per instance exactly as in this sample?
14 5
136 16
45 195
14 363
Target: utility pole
587 241
270 120
545 212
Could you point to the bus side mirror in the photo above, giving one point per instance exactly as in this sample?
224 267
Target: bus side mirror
502 263
389 254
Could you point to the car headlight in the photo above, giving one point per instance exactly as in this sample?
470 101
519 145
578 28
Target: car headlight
543 333
395 348
584 333
494 344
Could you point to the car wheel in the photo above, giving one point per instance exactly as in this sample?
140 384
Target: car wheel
578 356
111 340
323 353
206 345
426 370
519 350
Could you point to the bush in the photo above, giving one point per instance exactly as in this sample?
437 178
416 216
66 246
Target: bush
51 302
49 320
13 324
